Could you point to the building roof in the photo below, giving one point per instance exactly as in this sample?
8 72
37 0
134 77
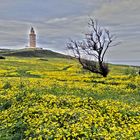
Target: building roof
32 30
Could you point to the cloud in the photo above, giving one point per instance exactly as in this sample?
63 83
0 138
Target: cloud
56 20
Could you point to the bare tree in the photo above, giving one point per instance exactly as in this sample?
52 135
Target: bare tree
91 51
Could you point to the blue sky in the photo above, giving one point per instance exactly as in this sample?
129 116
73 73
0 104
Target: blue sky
56 21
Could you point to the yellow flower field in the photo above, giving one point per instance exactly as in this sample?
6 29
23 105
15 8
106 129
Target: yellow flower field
57 99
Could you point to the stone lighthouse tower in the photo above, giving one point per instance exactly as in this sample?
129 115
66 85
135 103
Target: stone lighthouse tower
32 38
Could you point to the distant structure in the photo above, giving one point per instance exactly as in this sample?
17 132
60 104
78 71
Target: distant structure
32 38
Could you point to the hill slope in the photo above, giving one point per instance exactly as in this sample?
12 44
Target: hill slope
56 99
32 53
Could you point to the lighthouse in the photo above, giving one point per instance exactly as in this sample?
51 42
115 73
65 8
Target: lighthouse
32 38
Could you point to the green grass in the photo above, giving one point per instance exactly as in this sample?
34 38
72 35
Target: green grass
33 89
35 68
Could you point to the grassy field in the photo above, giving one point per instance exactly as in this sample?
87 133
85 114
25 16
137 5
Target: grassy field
54 98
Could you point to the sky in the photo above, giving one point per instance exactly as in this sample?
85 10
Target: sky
58 21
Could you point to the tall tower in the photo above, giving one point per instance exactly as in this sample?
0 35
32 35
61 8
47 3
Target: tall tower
32 38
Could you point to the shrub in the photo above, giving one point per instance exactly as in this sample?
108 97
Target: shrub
2 57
